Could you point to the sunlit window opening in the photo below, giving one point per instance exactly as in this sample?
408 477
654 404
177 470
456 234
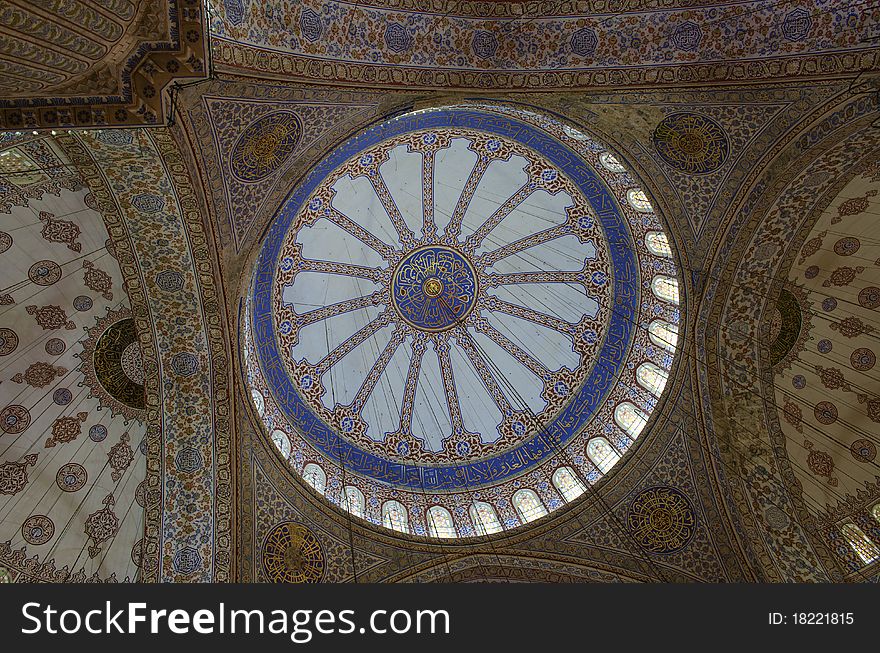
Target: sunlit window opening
440 522
610 162
665 288
629 418
485 518
602 454
663 334
394 517
861 543
639 200
528 505
658 244
569 486
315 477
652 378
354 501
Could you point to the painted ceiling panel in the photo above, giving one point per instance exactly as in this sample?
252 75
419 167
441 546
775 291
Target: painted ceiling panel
71 383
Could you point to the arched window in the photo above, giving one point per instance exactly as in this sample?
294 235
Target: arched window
440 522
652 378
281 441
602 454
861 543
394 517
485 518
665 288
658 244
629 418
663 334
354 501
639 200
610 162
315 476
569 486
259 402
528 505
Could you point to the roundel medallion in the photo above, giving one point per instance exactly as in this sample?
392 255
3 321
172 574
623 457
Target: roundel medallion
265 145
434 288
661 520
292 554
691 142
447 301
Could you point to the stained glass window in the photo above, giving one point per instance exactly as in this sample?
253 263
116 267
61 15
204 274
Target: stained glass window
354 501
259 402
658 244
315 477
485 519
607 159
394 517
861 543
440 522
281 441
639 200
602 454
630 419
665 288
652 378
528 505
569 486
663 334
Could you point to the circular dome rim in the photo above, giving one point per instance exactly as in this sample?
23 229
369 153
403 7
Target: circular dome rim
612 221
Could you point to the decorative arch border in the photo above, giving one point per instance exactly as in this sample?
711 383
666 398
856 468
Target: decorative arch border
835 122
168 536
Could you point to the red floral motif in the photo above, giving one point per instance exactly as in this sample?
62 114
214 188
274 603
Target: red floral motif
101 525
97 280
811 247
851 327
792 414
13 475
873 406
50 317
120 457
843 276
39 374
60 231
853 206
821 463
832 378
66 429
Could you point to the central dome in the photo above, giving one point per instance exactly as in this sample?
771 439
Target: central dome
447 316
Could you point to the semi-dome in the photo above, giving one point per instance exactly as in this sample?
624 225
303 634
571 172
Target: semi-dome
461 319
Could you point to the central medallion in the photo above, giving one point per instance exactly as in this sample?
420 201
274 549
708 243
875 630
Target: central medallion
434 288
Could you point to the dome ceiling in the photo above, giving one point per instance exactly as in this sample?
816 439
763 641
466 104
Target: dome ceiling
531 45
71 380
95 62
515 315
826 384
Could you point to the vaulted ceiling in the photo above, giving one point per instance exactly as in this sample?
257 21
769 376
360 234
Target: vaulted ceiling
751 127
